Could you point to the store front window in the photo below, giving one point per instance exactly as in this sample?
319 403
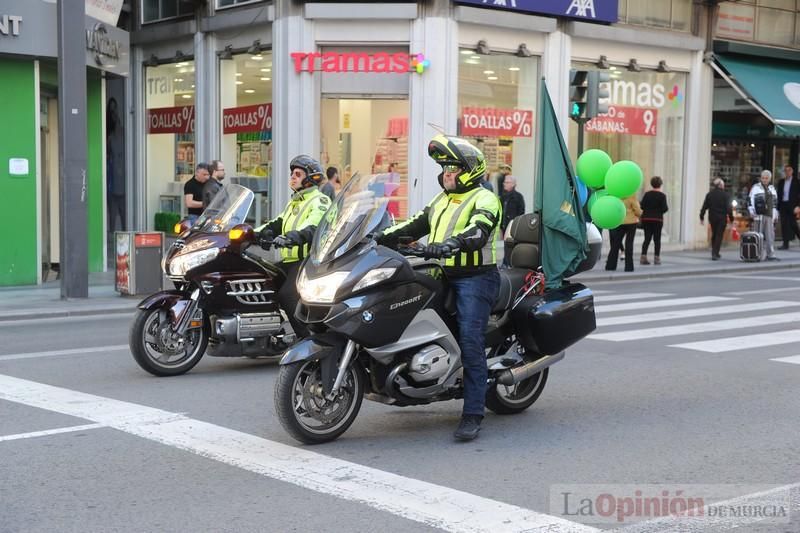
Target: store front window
497 97
645 124
169 99
246 104
369 136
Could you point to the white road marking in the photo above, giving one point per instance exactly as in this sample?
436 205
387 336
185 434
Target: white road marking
754 277
47 432
630 296
657 304
72 351
745 342
432 505
780 497
697 327
762 291
794 359
63 319
686 313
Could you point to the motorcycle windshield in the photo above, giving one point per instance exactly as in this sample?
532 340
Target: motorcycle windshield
228 208
359 209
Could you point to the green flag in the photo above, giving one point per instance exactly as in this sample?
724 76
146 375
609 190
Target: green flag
563 237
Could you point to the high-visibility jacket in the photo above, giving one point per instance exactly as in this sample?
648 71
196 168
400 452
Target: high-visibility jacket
472 218
302 214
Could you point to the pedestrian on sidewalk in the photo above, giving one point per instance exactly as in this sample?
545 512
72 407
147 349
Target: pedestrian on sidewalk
654 205
719 207
763 204
513 206
214 184
788 201
626 231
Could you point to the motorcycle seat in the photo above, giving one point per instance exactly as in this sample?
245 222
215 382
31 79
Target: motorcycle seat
511 280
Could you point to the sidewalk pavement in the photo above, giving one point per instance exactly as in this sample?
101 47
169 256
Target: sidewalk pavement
44 301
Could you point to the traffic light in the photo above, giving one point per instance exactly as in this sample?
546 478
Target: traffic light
577 93
597 90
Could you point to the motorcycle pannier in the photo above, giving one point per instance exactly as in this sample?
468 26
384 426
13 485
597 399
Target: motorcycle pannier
550 323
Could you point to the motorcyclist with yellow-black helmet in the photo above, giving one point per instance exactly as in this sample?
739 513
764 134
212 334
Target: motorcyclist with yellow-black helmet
293 230
462 224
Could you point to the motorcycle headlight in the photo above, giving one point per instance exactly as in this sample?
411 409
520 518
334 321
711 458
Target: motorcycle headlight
320 290
182 264
374 276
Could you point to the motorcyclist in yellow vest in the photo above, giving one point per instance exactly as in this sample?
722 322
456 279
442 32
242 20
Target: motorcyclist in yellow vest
462 224
294 229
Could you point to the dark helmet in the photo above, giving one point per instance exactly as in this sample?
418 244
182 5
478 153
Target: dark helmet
311 167
454 151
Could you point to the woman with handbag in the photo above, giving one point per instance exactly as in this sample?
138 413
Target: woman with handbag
626 231
654 205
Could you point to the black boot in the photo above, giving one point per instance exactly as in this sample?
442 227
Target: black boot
468 428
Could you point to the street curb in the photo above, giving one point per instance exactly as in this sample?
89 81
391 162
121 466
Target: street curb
689 272
31 314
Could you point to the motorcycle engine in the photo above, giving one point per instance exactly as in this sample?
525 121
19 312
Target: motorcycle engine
430 363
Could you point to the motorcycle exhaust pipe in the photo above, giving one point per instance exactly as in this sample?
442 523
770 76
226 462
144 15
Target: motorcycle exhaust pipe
519 373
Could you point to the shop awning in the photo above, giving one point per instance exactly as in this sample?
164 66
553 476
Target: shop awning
770 86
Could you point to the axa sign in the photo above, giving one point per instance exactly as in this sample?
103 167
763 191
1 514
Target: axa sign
378 62
587 10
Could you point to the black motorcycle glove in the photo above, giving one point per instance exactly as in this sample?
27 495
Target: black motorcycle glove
295 238
441 249
265 238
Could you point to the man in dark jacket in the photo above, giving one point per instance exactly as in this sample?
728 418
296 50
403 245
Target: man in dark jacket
788 200
718 205
212 186
513 206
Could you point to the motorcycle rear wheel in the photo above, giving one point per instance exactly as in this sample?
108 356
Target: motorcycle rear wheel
302 408
147 342
513 399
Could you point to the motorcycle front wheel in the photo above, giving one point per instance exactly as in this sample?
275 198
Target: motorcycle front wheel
158 350
304 411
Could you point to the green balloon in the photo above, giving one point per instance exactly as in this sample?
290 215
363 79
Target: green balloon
608 212
592 166
599 193
623 179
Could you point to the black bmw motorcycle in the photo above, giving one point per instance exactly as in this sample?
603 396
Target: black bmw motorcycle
224 300
384 324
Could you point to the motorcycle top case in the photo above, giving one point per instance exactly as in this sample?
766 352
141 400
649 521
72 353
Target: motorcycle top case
559 318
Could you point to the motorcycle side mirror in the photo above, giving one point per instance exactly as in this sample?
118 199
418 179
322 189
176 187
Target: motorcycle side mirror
241 232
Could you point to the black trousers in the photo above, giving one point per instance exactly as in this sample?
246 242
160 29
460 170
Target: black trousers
717 232
288 297
652 230
626 232
788 225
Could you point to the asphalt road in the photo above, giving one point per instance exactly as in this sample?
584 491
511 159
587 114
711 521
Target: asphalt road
677 389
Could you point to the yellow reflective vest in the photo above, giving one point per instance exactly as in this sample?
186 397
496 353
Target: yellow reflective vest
472 218
302 214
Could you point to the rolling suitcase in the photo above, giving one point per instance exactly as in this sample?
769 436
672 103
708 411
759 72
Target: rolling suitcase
751 245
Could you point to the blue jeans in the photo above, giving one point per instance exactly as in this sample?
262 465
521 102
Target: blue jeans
475 296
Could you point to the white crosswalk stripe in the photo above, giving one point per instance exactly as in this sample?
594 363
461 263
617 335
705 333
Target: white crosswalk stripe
657 304
743 342
697 327
660 316
631 296
794 359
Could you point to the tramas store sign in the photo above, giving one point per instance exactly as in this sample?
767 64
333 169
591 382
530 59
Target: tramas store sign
634 108
378 62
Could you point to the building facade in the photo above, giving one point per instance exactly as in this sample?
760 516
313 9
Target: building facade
365 85
29 140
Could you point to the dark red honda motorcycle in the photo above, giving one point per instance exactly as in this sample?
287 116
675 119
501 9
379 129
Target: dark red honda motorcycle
224 300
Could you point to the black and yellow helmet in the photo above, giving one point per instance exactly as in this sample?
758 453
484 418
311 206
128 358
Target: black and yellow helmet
455 151
312 168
